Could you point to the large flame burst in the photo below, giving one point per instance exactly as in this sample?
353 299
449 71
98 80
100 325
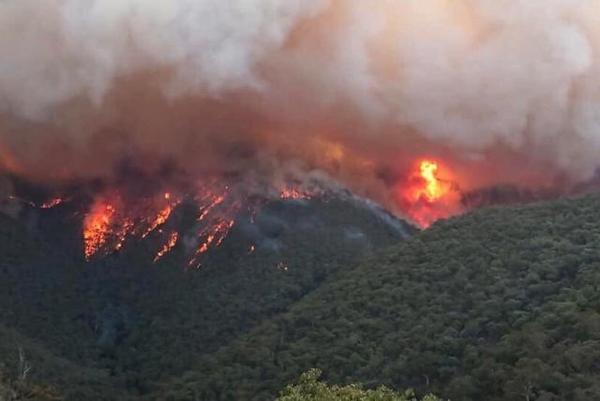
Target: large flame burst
428 195
434 189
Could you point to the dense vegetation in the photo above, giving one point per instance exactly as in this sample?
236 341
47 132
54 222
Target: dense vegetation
502 304
113 328
309 388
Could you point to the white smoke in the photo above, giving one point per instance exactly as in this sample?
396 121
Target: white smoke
472 76
55 50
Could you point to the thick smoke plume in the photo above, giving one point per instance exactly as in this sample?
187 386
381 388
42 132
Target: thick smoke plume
502 91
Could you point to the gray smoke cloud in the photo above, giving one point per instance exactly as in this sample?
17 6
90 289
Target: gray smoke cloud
340 86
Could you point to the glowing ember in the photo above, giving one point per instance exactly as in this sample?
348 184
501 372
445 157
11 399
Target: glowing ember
46 205
294 193
215 201
161 218
168 246
52 203
213 235
121 232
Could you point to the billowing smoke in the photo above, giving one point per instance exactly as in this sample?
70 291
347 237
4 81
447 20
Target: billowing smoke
353 91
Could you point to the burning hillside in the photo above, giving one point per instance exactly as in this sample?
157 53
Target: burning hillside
417 105
429 194
193 220
118 214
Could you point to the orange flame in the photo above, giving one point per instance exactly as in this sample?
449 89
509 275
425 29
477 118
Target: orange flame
112 220
161 218
97 227
215 201
51 203
168 246
106 227
427 197
294 193
434 188
213 235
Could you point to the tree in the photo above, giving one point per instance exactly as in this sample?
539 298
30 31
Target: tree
310 388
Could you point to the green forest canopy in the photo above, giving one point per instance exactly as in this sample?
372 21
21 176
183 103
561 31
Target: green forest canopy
502 304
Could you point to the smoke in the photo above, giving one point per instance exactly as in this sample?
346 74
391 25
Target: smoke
352 90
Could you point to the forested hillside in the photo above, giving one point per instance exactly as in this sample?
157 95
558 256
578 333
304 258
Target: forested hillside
498 305
114 327
310 388
502 304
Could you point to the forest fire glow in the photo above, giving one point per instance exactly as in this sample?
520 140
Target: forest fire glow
301 91
51 203
433 190
97 226
161 218
294 193
115 218
168 246
429 194
110 222
213 235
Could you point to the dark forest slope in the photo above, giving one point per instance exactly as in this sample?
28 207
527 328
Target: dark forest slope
501 304
127 323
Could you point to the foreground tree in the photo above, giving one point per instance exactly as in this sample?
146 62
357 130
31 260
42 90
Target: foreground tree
310 388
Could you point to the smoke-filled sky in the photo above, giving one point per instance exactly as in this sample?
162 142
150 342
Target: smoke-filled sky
354 90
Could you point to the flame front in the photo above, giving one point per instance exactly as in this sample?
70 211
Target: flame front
52 203
112 219
433 189
110 222
168 246
97 227
426 196
213 235
163 215
294 193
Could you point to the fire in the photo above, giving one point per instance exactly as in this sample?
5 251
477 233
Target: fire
121 232
52 203
434 189
161 218
110 221
168 246
46 205
283 266
293 193
97 226
113 219
298 192
213 235
429 194
214 201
